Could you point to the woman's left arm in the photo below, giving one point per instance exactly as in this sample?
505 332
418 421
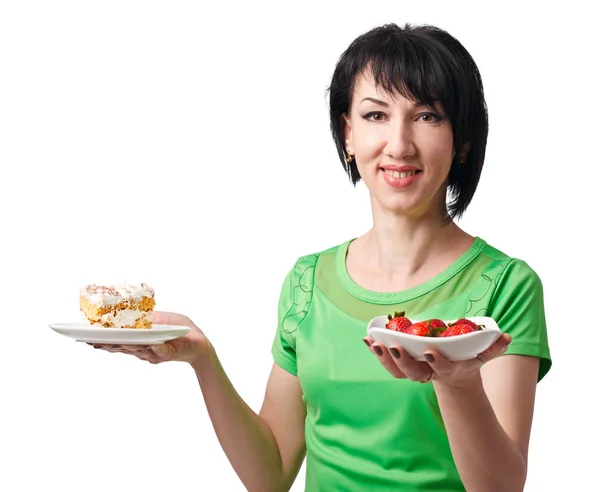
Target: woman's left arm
488 420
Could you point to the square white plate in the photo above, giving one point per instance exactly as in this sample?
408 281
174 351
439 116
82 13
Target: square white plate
82 332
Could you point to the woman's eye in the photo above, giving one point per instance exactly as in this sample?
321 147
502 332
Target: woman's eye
374 116
429 117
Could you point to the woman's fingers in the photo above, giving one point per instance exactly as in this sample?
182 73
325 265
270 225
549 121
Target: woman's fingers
113 347
152 353
108 347
382 353
142 352
386 359
497 348
163 350
166 318
446 368
146 354
133 348
414 369
398 362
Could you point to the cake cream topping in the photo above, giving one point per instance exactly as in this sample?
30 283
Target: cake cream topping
125 317
116 293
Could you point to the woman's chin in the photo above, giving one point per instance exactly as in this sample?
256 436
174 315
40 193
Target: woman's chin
403 206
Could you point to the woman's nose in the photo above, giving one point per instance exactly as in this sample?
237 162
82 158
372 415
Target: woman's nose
400 140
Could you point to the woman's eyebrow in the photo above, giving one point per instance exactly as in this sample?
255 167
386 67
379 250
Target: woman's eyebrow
376 101
433 104
416 104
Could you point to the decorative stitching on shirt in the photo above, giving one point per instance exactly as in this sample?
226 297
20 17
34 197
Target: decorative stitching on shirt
491 282
301 294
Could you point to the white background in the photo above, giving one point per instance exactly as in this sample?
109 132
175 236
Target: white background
188 146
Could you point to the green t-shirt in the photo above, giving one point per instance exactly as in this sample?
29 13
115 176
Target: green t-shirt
364 429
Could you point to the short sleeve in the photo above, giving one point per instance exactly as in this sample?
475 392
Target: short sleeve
517 305
284 343
294 302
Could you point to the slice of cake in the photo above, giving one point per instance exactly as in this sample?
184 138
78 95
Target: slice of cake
121 305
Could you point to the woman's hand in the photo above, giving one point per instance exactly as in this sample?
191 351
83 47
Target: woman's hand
191 348
400 364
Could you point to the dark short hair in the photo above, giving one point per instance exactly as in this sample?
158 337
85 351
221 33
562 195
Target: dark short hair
422 63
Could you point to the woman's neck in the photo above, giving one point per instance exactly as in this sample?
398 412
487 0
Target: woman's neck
400 251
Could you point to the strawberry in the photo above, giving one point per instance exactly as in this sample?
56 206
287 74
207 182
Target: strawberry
436 323
464 321
457 329
420 329
436 326
398 322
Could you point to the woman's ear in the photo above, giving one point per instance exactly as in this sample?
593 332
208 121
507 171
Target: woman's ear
347 134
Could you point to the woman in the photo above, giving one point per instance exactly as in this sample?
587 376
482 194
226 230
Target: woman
408 117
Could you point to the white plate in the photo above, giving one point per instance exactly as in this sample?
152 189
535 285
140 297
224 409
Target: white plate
460 347
82 332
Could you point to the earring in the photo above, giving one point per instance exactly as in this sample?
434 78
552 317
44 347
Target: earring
349 158
463 159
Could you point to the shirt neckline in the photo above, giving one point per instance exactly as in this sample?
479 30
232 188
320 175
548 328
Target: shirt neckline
408 294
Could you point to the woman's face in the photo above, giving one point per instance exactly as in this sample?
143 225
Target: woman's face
403 151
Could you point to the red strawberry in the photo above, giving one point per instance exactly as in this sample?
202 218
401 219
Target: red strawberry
436 323
436 326
465 321
420 329
456 329
398 322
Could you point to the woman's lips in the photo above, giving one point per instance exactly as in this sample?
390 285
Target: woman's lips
395 182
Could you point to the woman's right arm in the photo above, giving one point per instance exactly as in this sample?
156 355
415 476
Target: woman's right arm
266 449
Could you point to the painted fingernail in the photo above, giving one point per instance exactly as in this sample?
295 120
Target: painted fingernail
395 353
378 350
367 343
429 358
